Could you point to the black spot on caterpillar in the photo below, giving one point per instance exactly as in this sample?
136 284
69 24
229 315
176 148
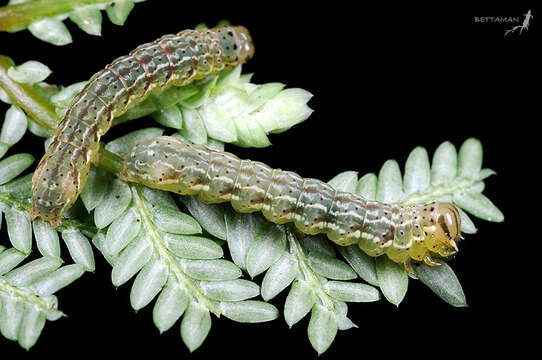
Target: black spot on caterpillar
401 232
172 60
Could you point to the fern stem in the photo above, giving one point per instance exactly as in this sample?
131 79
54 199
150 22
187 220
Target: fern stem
296 249
109 161
436 192
25 295
24 96
13 17
165 255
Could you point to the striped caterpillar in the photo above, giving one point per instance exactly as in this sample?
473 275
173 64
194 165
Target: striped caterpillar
173 60
403 233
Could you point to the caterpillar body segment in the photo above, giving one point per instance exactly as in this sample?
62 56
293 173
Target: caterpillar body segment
173 60
403 233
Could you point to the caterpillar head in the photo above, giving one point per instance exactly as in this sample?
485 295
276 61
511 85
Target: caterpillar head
236 44
441 225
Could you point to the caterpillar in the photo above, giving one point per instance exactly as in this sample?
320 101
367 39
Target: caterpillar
172 60
403 233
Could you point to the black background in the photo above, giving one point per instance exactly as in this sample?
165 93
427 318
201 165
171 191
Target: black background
385 79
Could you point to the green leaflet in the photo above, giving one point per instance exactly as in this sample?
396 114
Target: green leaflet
230 290
443 282
122 145
392 278
170 305
46 238
299 302
193 247
267 248
51 30
113 204
322 328
58 279
14 165
390 184
241 230
330 267
195 325
79 248
345 181
9 259
88 18
30 72
122 231
50 27
13 128
120 11
19 230
249 311
173 221
351 292
148 283
363 264
211 218
279 276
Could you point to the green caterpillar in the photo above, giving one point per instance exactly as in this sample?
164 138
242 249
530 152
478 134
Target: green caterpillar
403 233
173 60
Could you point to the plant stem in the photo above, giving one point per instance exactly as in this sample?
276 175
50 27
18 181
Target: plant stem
24 96
164 254
26 295
109 161
13 17
436 192
297 250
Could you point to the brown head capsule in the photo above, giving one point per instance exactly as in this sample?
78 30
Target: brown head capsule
441 224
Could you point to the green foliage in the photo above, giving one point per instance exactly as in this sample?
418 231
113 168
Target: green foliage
49 26
163 248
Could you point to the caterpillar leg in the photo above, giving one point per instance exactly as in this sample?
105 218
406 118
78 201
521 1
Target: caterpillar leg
430 261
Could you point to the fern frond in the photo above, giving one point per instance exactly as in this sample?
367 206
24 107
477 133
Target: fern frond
44 18
308 264
26 291
171 259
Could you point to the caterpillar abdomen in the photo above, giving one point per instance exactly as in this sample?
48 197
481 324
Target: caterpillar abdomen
171 60
401 232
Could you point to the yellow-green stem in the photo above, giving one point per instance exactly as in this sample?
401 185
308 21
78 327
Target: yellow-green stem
296 249
24 96
165 255
13 17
